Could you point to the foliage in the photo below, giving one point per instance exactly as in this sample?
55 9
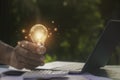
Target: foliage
79 24
49 58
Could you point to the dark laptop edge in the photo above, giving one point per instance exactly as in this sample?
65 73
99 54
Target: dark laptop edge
104 47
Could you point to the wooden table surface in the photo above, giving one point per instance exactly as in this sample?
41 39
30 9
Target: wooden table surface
110 71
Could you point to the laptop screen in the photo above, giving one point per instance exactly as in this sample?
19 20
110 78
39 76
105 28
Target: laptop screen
104 47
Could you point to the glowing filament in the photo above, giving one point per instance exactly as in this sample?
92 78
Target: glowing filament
38 33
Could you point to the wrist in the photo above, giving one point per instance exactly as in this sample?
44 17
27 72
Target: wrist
5 53
7 56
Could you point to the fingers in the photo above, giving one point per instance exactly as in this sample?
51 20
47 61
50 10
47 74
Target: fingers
41 50
28 59
32 47
25 53
14 62
30 64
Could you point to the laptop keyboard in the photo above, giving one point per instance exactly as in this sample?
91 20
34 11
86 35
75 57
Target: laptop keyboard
44 74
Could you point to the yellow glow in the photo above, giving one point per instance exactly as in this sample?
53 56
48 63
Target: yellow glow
50 33
55 29
26 42
23 30
38 33
22 45
18 43
26 37
53 22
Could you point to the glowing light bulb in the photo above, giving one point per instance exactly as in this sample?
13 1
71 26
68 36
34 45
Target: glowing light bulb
38 34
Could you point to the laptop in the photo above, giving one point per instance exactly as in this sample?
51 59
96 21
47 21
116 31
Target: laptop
106 44
104 48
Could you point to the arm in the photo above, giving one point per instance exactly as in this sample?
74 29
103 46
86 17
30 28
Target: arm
28 56
5 53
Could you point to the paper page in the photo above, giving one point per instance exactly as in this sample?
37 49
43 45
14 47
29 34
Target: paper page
3 69
12 78
55 64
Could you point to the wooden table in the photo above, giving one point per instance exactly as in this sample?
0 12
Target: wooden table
110 72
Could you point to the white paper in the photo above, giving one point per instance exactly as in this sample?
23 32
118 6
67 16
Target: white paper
56 64
12 78
3 69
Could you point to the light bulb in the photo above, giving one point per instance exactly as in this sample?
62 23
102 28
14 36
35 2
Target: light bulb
38 34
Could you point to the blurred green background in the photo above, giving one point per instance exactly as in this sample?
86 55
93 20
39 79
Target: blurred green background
79 24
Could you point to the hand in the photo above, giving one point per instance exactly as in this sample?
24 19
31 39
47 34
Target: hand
27 55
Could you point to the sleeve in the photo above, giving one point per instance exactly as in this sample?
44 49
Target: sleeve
5 52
